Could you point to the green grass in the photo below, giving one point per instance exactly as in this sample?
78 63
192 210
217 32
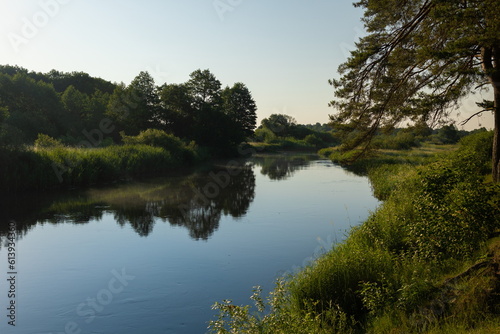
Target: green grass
424 262
55 167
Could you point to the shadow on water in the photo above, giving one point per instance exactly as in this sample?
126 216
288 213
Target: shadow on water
195 201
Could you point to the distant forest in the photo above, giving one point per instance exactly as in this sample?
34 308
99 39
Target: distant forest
72 108
75 107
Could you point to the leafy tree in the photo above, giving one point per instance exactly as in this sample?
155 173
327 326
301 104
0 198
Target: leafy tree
76 106
82 81
448 134
419 58
281 125
95 113
137 106
143 88
34 107
240 106
4 114
210 124
205 90
177 113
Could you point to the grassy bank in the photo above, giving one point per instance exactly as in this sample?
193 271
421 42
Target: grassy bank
56 166
283 145
427 261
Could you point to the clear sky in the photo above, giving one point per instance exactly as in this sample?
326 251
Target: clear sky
283 50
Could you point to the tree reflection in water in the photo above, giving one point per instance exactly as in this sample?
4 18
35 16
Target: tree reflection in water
196 202
281 167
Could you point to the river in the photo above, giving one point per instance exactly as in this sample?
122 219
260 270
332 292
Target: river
152 256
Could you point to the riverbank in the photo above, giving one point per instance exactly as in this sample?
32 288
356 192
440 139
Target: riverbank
426 261
65 167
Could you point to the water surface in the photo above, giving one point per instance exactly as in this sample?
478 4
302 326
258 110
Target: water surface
153 256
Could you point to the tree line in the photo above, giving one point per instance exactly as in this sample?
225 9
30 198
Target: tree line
69 106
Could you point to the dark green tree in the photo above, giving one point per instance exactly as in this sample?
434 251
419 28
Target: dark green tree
136 107
210 124
76 105
417 61
448 134
281 125
177 114
4 114
240 106
97 106
205 91
34 107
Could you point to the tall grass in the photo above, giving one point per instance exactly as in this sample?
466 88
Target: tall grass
52 167
421 263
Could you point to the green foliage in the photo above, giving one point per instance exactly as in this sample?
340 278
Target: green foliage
392 274
239 105
61 80
385 178
44 141
69 106
53 166
335 278
134 107
448 134
327 152
453 211
27 115
401 141
283 132
274 316
315 140
264 135
169 142
481 145
281 125
415 64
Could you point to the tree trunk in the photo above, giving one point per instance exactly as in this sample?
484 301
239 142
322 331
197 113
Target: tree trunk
496 138
490 57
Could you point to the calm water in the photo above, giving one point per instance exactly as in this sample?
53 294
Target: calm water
152 257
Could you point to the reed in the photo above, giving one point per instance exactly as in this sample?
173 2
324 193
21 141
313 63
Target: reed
54 167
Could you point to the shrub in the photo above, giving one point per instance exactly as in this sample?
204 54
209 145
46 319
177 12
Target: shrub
401 141
264 135
45 141
169 142
314 140
454 214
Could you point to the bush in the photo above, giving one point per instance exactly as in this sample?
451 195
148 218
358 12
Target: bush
315 140
454 213
401 141
264 135
481 145
169 142
45 141
327 152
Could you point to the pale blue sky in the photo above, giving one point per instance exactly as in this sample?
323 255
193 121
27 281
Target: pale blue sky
283 50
